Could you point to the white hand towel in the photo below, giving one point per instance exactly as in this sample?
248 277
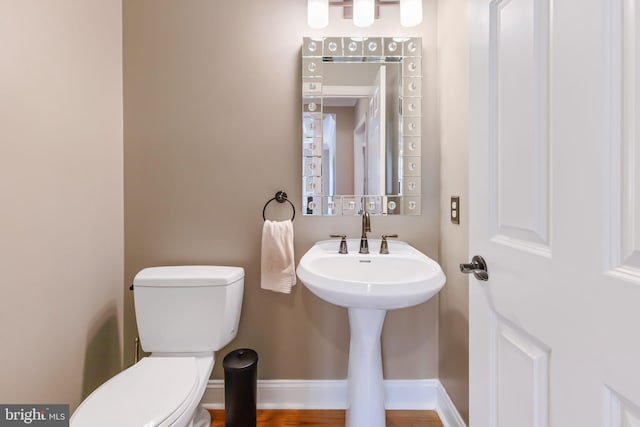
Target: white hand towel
278 265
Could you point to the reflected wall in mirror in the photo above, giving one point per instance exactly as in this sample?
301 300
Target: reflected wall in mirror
361 125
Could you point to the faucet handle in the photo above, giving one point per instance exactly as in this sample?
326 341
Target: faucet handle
384 247
343 242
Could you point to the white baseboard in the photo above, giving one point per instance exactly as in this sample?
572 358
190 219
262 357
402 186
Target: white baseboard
447 411
332 394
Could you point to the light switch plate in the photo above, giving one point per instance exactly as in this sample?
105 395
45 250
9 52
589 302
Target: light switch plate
455 209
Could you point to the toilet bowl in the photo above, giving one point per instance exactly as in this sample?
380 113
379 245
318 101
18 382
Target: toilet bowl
157 391
184 314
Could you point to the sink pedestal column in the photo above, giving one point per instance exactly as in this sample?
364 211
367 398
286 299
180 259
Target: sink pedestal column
366 389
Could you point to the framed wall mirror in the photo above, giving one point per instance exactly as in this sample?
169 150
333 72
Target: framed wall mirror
361 125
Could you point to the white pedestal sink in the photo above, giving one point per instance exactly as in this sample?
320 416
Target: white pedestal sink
368 285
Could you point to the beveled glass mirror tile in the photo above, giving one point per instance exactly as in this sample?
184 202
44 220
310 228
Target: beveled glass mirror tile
332 206
312 205
312 185
411 146
411 106
411 205
311 125
392 46
412 66
373 204
411 166
312 67
393 204
411 126
312 146
411 186
412 47
312 87
312 166
351 205
332 46
313 106
311 46
373 46
412 86
353 47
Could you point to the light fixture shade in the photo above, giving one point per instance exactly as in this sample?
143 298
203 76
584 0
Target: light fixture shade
364 12
318 13
410 12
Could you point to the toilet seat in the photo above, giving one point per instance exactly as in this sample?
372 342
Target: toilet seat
152 393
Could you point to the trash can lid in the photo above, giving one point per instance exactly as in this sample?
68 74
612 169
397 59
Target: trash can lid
239 360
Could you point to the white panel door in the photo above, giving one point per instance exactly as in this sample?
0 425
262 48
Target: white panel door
376 145
555 212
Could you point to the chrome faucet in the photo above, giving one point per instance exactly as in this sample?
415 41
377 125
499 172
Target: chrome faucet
366 226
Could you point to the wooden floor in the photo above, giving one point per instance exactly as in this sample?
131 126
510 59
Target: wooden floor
330 418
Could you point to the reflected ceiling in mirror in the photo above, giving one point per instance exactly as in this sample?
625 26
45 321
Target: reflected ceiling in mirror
361 125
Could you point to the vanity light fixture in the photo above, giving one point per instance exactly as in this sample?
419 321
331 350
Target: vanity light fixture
363 12
318 13
410 12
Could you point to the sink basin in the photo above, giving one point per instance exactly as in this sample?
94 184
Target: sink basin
402 278
368 285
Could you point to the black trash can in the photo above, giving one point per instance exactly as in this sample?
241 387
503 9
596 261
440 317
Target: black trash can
240 388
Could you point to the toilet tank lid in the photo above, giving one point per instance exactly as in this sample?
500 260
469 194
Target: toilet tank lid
188 275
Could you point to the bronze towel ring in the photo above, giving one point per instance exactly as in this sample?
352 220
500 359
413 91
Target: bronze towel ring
280 197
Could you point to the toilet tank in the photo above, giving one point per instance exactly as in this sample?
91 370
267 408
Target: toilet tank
187 309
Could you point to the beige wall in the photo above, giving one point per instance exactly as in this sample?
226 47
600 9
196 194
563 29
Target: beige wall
212 131
61 216
453 70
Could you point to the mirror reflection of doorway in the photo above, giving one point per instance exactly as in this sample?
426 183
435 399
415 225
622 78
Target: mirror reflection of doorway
329 145
354 119
376 134
360 156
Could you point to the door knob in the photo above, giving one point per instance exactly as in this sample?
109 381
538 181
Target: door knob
478 267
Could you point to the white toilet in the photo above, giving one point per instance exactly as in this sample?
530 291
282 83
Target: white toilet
184 314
